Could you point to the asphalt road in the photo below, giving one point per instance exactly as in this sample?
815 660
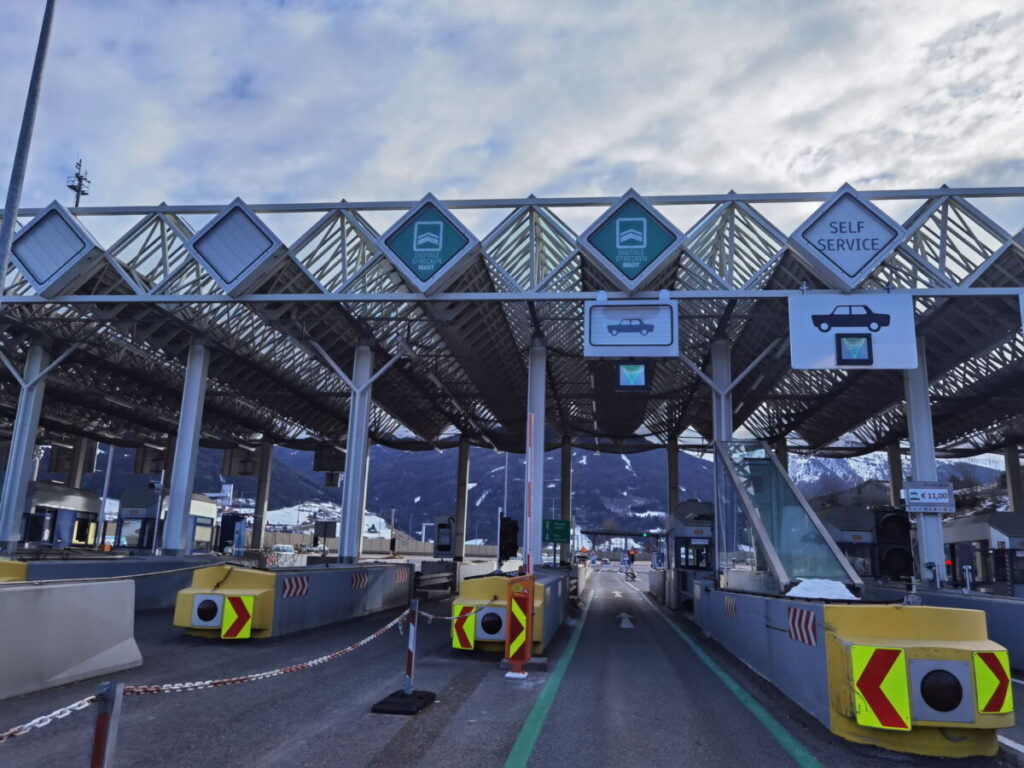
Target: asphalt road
612 695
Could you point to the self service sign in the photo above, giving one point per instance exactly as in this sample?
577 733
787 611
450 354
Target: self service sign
846 239
852 331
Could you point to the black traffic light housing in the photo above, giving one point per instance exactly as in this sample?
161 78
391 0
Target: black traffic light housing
508 547
894 554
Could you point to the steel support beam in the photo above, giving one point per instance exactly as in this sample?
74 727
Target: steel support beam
21 457
781 448
79 452
533 508
177 538
924 467
357 456
565 491
259 518
895 458
721 375
671 588
461 501
1014 491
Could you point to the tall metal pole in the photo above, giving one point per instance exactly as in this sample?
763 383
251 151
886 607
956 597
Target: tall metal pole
533 502
357 448
102 532
28 121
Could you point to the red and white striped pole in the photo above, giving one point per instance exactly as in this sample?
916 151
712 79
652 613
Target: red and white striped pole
410 659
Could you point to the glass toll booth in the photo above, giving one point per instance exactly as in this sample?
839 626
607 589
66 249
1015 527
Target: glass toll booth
691 544
991 544
141 515
58 517
769 538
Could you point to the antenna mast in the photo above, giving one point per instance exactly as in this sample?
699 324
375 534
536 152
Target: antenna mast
79 183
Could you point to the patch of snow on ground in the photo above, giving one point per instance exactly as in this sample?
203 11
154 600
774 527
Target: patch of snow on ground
823 589
583 460
417 500
483 496
627 462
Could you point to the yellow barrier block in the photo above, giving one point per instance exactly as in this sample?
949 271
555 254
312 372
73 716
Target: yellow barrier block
13 570
874 698
228 581
493 589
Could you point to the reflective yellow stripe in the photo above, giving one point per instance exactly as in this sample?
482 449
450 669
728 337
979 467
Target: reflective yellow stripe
995 692
881 687
518 640
468 627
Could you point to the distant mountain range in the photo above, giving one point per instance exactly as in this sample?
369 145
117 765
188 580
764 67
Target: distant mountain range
609 490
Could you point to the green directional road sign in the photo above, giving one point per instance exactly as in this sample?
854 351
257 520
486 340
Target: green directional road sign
556 531
630 241
426 241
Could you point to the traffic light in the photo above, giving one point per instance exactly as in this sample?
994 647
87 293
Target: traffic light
509 539
893 552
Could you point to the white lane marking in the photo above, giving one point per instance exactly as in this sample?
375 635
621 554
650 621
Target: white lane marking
617 593
1011 744
624 621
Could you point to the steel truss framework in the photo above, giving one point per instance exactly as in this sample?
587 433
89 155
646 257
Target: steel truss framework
460 356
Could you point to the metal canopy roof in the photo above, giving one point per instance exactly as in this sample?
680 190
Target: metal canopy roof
458 357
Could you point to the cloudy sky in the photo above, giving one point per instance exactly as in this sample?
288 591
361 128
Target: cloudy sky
203 100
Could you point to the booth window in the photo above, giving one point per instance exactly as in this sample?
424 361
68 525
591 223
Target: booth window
203 541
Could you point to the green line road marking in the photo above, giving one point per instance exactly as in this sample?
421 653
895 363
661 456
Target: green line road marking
786 740
530 732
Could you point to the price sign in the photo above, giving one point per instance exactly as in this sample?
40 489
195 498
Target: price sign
929 497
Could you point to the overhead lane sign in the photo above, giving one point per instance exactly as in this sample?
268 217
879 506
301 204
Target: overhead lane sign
846 239
428 245
631 242
832 330
642 328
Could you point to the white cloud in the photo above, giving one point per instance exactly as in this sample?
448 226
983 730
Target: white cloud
198 102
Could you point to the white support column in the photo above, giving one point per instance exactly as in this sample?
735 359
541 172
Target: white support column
566 497
671 588
177 539
895 458
461 501
533 509
357 455
259 517
721 374
21 458
924 467
1014 491
79 453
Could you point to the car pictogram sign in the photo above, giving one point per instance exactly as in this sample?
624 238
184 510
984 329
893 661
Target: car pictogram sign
237 623
463 627
992 682
881 687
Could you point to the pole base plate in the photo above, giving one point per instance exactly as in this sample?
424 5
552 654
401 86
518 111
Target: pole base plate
400 703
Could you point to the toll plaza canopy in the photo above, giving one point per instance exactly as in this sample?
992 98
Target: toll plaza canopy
451 340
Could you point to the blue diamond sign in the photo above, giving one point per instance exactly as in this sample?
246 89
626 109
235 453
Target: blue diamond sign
846 239
631 242
428 245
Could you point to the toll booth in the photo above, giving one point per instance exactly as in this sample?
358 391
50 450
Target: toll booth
691 545
233 529
992 544
56 516
141 514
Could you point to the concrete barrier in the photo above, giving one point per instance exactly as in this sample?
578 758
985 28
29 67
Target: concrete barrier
292 600
57 634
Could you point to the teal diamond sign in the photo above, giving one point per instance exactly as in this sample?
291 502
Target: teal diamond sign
630 241
427 243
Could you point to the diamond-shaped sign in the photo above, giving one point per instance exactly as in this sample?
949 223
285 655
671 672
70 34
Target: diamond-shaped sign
237 249
631 241
846 239
428 245
54 252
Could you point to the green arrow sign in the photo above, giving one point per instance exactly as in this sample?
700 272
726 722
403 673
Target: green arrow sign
426 241
556 531
631 238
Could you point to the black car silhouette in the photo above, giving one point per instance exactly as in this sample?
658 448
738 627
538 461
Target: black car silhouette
851 316
630 325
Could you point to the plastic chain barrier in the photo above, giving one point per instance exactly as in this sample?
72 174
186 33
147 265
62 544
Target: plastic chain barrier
430 617
136 690
45 720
